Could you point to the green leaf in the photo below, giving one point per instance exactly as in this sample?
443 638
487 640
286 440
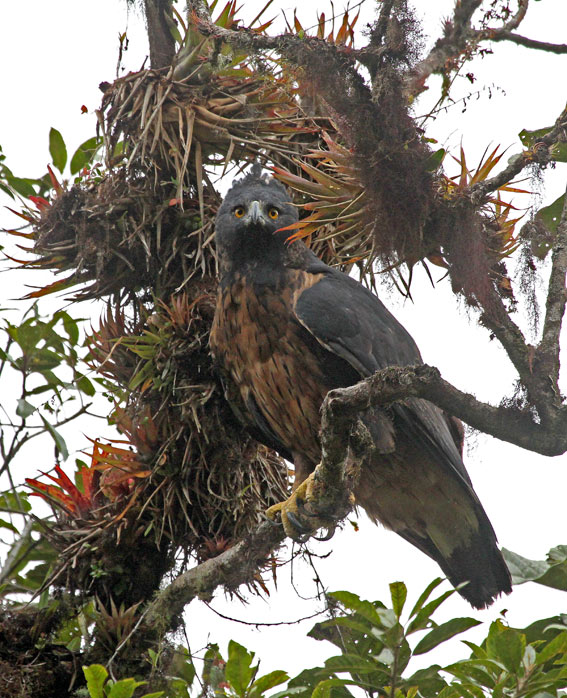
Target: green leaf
85 386
56 436
398 593
96 675
444 632
85 154
522 569
124 688
57 149
238 671
14 502
24 408
425 595
551 215
264 683
423 617
506 645
71 326
353 663
556 646
551 573
22 186
324 688
354 603
530 138
434 161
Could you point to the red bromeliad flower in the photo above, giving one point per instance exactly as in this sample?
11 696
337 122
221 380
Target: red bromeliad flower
109 479
65 494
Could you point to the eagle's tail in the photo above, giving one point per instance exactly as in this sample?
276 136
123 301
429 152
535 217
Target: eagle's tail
477 564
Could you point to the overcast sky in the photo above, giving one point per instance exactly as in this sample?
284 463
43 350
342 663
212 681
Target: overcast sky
54 55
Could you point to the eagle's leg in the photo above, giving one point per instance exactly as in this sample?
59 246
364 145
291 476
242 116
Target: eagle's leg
303 513
297 522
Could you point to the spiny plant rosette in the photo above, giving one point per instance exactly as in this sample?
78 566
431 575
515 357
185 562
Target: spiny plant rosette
135 229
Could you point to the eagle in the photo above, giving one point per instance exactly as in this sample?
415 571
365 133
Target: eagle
288 329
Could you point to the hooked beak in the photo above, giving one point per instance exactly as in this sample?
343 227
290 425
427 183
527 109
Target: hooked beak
255 214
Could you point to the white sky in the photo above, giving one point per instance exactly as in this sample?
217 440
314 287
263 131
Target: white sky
54 55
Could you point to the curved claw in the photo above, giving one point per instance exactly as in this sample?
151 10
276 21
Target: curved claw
295 520
330 533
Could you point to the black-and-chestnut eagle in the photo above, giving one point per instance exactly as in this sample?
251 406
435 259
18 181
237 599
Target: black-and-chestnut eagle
287 329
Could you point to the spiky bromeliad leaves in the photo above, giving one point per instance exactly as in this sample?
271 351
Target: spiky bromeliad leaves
288 329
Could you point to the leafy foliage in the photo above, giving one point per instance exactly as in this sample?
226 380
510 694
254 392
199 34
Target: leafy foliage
377 644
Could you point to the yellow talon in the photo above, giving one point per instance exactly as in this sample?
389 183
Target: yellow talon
294 505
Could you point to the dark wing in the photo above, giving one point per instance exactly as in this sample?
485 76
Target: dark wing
350 321
421 489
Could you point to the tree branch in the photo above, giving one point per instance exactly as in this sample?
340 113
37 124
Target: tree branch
539 154
423 381
547 355
528 43
236 566
162 44
455 41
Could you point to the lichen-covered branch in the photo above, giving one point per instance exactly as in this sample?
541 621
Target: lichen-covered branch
238 565
547 357
506 423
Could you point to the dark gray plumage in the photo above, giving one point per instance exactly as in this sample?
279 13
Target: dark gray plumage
288 329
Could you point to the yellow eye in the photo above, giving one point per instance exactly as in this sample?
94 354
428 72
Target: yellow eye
273 213
239 212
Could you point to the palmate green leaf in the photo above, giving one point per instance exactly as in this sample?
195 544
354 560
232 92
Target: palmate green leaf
57 149
444 632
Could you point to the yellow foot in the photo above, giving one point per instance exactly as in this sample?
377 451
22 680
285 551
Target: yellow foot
302 514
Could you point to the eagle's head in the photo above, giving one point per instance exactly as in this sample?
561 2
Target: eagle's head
249 219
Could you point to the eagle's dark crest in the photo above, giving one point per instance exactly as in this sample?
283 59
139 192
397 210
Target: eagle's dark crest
288 329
